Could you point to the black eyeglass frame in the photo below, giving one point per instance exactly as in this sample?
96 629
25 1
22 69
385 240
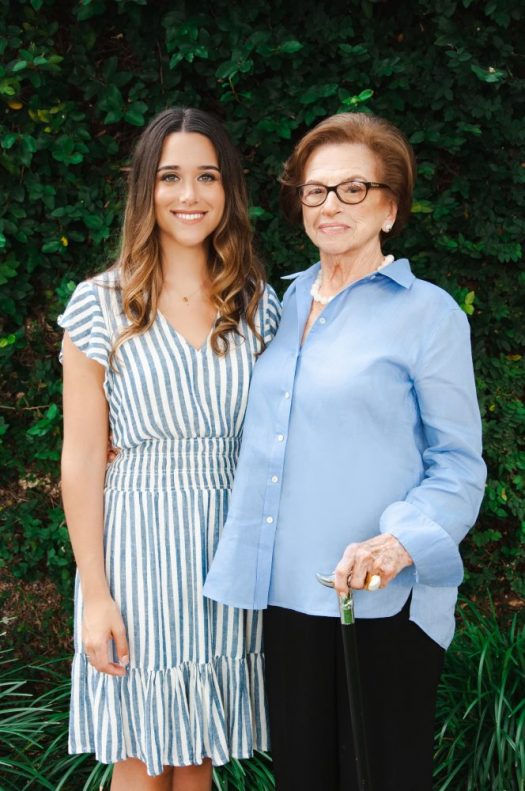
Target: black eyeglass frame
368 184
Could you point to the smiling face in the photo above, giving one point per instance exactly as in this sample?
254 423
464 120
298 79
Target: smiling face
189 195
339 229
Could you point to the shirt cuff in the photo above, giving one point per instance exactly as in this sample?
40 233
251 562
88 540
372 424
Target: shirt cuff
436 556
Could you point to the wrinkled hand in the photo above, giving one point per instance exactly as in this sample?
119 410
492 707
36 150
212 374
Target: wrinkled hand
101 623
383 555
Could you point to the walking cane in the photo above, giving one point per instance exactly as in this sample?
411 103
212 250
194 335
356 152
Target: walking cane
355 698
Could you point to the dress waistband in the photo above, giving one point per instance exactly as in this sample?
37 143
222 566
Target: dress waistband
189 463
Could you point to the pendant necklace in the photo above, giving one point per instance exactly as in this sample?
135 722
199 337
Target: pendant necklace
187 298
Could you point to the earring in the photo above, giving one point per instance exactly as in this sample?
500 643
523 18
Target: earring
387 228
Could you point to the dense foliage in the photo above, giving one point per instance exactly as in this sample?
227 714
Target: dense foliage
79 79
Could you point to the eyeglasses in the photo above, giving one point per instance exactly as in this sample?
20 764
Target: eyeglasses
347 191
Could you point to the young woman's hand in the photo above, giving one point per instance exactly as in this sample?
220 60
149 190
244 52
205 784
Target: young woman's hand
113 451
101 623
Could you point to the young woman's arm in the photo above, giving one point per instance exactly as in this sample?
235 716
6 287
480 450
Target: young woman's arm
83 467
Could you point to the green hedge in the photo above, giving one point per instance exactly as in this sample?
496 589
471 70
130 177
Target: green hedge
80 79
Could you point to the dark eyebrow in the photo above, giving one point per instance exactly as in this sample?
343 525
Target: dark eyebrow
177 167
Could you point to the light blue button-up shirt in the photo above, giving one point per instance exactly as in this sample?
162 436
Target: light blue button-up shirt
371 426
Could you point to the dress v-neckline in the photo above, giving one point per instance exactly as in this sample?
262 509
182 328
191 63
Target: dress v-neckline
182 337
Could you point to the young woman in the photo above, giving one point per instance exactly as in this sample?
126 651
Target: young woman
159 350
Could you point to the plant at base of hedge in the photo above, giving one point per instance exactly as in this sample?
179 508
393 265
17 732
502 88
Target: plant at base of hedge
481 707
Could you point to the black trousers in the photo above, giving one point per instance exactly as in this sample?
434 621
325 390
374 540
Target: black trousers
311 735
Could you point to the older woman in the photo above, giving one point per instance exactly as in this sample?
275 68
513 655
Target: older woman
361 453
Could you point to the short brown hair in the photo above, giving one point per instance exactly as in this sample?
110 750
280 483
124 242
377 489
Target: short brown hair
392 149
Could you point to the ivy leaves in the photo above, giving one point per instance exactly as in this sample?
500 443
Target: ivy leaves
78 81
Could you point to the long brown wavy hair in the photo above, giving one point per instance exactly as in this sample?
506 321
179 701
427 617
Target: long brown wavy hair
236 275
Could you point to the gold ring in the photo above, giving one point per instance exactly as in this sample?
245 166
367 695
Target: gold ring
373 582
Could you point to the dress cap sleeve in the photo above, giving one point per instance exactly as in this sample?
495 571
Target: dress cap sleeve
83 319
272 313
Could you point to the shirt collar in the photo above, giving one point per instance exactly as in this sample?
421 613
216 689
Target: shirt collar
295 275
399 271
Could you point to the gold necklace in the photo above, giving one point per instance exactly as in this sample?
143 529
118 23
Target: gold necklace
187 298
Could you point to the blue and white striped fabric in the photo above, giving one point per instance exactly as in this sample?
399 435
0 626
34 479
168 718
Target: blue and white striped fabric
194 687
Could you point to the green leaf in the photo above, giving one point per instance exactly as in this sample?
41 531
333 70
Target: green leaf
175 59
352 49
316 92
417 137
89 9
225 70
474 129
93 221
9 140
289 47
113 117
134 116
422 207
53 246
365 95
52 412
488 75
258 212
353 101
7 340
9 86
468 303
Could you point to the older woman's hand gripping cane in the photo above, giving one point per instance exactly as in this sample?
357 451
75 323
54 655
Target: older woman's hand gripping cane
346 611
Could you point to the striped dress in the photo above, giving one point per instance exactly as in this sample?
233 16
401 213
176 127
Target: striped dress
194 686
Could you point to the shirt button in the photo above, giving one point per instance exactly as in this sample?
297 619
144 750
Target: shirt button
322 321
269 519
287 394
274 478
280 437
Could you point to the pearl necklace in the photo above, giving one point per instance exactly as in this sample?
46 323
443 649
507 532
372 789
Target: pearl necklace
314 291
